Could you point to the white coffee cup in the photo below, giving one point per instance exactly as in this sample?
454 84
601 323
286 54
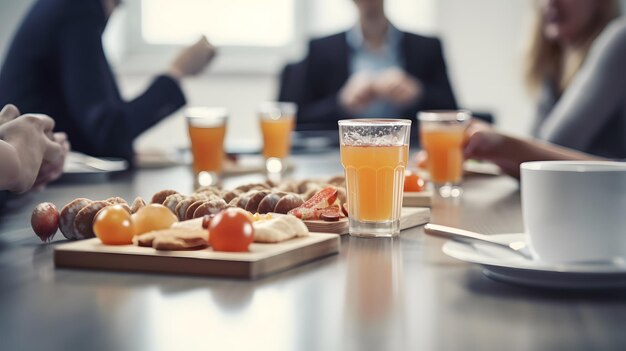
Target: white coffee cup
574 211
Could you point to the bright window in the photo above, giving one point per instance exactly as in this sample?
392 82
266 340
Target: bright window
265 23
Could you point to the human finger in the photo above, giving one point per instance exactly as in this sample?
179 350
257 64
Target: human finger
9 112
53 151
61 138
46 121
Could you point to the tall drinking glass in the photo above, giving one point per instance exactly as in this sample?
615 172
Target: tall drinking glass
207 128
277 121
374 154
441 135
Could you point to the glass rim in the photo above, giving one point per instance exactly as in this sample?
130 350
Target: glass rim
268 109
444 115
374 122
200 112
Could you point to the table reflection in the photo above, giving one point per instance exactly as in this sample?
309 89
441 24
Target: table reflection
374 312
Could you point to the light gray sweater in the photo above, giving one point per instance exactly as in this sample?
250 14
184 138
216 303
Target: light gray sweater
590 116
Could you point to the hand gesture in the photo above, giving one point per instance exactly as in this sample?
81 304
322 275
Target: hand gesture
357 93
397 87
53 161
39 151
193 59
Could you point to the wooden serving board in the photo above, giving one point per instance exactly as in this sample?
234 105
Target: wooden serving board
263 259
418 199
410 217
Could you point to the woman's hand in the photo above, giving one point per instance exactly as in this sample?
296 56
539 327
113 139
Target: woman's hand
470 143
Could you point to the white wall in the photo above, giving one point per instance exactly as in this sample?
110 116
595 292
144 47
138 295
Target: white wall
482 40
483 43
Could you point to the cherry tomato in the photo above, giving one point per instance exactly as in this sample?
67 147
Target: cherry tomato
206 220
231 230
413 182
152 217
113 226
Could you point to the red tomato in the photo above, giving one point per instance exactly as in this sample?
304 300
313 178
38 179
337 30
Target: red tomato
231 230
113 226
413 182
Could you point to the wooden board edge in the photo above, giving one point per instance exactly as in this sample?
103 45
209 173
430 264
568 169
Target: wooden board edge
409 200
339 230
406 224
192 266
305 254
416 222
156 264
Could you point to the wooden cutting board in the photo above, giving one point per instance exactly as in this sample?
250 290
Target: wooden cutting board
263 259
410 217
418 199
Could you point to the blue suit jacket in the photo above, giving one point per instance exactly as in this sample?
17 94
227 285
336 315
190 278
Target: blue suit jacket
315 82
56 65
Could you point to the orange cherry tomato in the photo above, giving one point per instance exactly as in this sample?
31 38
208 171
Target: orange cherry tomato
413 182
152 217
113 226
231 230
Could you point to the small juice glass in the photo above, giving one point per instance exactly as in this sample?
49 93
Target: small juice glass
277 120
442 134
374 154
207 128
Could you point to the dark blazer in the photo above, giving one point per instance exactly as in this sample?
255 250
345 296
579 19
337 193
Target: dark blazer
326 69
56 65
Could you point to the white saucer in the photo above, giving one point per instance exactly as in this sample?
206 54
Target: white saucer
509 267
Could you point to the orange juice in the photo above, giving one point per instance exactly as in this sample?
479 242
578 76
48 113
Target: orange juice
276 136
207 146
445 154
374 178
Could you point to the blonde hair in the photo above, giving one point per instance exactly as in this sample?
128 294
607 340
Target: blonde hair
546 58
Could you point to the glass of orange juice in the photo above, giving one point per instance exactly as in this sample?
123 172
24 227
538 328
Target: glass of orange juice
277 121
207 128
374 154
442 134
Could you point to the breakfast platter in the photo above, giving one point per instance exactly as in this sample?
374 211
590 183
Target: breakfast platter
261 260
247 232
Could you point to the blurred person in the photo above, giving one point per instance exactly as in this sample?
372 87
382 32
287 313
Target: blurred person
575 64
56 65
372 70
31 155
588 122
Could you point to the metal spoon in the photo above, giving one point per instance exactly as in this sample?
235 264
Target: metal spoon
518 247
467 237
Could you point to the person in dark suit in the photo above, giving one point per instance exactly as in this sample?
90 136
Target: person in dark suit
56 66
372 70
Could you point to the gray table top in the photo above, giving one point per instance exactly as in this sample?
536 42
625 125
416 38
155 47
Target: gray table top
375 295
